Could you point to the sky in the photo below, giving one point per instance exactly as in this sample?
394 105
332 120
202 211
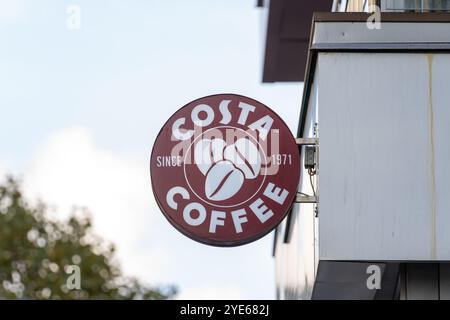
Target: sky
80 109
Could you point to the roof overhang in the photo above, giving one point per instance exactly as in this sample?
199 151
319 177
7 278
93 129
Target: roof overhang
287 40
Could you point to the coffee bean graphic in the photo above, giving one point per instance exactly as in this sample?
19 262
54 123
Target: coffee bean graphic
207 152
245 156
223 181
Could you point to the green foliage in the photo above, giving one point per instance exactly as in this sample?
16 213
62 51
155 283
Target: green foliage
35 252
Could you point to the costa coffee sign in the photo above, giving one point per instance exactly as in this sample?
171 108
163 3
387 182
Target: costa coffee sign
225 170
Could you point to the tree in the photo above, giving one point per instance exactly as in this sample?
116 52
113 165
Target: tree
40 257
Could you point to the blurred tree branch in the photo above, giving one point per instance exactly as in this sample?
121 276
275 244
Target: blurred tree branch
36 250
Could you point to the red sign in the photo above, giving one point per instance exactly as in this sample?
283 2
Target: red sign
225 170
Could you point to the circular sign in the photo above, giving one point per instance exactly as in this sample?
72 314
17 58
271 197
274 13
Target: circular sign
225 170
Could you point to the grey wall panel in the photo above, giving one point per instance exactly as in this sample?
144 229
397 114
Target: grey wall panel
390 284
337 280
422 281
391 32
444 281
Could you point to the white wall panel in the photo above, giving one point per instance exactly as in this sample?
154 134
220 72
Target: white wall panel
384 155
441 165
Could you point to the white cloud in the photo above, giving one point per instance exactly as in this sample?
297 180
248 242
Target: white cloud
210 293
69 169
12 10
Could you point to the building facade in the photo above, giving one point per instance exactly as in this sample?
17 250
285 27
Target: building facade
376 108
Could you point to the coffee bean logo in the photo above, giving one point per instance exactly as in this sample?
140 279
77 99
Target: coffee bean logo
207 152
226 167
223 181
245 156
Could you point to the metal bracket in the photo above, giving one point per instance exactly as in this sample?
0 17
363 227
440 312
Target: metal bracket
307 141
301 198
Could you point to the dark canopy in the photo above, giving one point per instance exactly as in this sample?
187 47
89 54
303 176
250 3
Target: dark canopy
287 39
